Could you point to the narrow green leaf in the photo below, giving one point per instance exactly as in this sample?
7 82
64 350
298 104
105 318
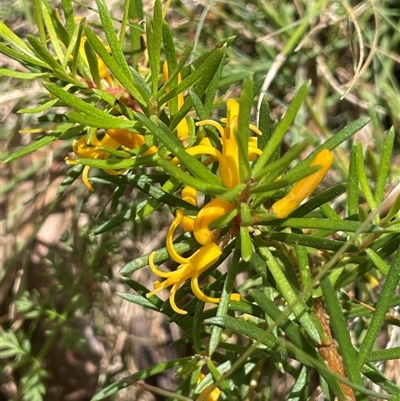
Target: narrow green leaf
105 121
22 58
309 241
384 166
198 184
141 375
223 305
141 182
51 31
304 266
292 330
91 111
352 184
69 15
138 300
39 143
136 15
70 178
43 53
93 63
377 261
154 45
176 148
362 177
384 354
382 306
205 71
264 124
324 224
112 39
309 322
340 330
281 129
246 244
170 54
242 133
117 164
288 179
124 23
127 79
9 36
22 75
335 140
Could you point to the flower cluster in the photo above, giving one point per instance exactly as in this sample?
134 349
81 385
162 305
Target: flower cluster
190 268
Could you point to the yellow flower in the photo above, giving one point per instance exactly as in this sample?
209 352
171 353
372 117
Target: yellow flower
305 187
208 214
211 395
183 128
113 138
189 194
229 158
190 268
103 71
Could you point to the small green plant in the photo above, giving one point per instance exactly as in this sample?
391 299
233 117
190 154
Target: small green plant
237 198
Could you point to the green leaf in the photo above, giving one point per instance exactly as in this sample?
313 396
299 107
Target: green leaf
141 375
39 143
9 36
176 148
309 241
93 63
281 129
308 321
362 176
382 307
112 38
91 111
70 179
352 184
324 224
141 182
138 300
288 179
264 124
133 82
246 244
384 354
204 73
340 330
68 14
154 42
384 166
180 175
118 164
39 109
22 75
170 54
51 31
223 305
23 59
242 133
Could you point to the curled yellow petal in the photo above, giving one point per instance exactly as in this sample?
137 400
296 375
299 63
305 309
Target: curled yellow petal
170 237
198 263
85 177
305 187
208 214
189 194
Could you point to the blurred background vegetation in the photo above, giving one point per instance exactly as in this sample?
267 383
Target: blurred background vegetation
68 333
